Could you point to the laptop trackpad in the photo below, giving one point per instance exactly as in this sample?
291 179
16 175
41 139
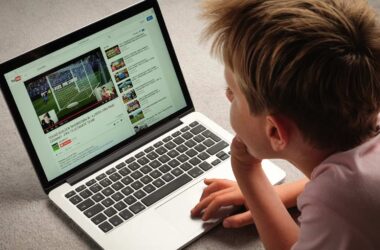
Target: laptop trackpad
177 211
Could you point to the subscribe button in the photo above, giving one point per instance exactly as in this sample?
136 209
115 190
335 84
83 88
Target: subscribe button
65 143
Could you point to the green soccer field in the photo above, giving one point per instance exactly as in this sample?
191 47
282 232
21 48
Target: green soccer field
67 95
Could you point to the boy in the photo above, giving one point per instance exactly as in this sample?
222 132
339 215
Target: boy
303 79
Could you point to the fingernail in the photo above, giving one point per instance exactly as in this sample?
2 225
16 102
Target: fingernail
226 224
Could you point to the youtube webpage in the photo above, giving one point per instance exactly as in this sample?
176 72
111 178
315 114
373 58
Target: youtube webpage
87 97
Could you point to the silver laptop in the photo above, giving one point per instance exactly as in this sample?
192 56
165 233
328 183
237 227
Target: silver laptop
110 127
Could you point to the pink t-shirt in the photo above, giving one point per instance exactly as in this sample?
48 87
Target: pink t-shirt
340 206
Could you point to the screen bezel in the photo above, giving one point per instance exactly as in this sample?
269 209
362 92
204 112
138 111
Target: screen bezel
65 41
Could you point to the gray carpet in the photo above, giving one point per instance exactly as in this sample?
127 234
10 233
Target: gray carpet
27 219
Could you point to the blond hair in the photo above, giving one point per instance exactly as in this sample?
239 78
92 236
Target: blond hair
315 61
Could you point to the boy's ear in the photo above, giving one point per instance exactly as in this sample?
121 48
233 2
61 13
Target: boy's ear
278 132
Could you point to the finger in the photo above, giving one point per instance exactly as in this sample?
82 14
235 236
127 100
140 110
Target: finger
226 199
204 203
215 186
238 220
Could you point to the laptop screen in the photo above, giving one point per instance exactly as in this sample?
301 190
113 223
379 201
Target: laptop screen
97 92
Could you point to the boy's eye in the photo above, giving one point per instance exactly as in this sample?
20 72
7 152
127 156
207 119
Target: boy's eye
229 94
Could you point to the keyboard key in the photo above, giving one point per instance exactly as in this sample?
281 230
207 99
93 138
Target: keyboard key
158 183
95 188
173 153
216 162
98 197
149 149
117 186
120 165
165 190
208 133
155 164
110 211
85 204
69 194
108 202
117 196
163 158
120 206
143 160
100 177
146 179
127 191
179 140
116 220
195 172
199 138
177 172
190 143
187 135
149 188
139 194
85 193
105 182
146 169
168 177
198 129
94 210
164 168
155 174
136 175
105 227
208 143
191 153
158 144
133 166
127 180
125 214
99 218
200 148
130 200
152 156
177 133
186 166
111 171
130 160
166 139
181 148
137 185
217 147
184 129
141 154
108 191
161 150
115 177
170 145
203 156
205 166
195 161
90 182
124 171
174 163
193 124
80 188
182 158
136 208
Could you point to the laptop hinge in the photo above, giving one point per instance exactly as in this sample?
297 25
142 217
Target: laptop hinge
123 151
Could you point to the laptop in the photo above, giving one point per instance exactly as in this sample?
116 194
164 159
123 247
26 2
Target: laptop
109 125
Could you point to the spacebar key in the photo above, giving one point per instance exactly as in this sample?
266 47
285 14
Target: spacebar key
165 190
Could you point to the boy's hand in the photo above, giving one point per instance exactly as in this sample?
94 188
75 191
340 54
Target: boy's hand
241 159
217 194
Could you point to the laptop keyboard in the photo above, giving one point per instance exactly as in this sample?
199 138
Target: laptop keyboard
131 186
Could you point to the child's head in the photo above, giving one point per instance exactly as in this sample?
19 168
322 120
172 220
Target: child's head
317 62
